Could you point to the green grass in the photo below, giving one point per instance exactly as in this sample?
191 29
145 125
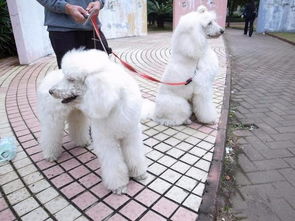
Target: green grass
285 35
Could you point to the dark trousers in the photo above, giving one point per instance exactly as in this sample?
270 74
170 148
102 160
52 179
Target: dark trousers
62 42
247 22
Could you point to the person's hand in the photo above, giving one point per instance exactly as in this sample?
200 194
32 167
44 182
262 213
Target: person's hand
76 12
242 16
93 7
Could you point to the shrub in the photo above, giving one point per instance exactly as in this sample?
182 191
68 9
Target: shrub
159 10
7 43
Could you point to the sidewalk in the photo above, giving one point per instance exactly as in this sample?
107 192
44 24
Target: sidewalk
179 158
263 94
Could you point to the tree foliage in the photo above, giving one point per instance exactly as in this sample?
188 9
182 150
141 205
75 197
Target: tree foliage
159 10
7 43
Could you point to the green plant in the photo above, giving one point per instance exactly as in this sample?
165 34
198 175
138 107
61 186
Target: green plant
7 43
159 10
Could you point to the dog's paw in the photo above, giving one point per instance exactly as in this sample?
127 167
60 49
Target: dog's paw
53 156
187 122
141 177
121 190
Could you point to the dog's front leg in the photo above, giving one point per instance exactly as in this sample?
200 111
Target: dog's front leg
52 126
203 106
79 128
133 151
114 170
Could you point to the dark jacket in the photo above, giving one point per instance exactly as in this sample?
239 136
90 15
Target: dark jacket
250 11
57 20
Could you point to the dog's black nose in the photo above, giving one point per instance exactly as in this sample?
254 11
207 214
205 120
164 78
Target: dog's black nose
221 31
50 92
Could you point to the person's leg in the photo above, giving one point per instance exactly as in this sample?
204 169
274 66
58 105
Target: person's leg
87 39
251 27
246 26
61 43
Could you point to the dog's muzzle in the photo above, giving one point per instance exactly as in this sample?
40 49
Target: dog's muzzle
69 99
64 100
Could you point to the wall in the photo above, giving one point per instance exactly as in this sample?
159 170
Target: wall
276 16
31 37
120 18
181 7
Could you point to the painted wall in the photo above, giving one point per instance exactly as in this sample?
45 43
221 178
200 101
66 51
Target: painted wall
181 7
31 37
276 15
121 18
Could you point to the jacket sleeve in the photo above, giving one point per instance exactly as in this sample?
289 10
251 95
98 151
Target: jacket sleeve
101 3
57 6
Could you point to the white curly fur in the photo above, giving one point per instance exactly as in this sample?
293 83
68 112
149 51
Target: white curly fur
106 98
190 49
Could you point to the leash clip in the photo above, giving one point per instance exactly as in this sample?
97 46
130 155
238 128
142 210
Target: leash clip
188 81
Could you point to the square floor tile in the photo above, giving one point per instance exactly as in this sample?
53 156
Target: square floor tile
133 188
176 153
90 180
203 164
100 190
159 185
197 174
193 202
180 167
79 172
187 183
70 164
177 194
183 214
99 211
61 180
156 169
115 200
152 216
132 210
72 189
189 159
167 161
165 207
85 200
170 176
147 197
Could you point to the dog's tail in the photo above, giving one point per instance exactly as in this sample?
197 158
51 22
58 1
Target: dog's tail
148 109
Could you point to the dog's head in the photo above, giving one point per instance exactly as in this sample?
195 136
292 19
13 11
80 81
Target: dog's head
77 65
208 22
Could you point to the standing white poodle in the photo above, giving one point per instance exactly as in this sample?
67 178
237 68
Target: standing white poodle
92 89
191 57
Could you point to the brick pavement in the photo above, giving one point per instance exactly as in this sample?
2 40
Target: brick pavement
179 158
263 93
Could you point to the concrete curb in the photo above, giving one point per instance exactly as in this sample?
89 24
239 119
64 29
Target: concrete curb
207 211
282 39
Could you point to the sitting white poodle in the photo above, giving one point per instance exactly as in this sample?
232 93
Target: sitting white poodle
191 57
92 89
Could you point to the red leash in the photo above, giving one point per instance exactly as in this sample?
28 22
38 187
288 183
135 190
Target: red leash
93 19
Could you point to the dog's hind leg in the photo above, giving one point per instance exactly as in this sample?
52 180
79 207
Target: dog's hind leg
114 170
79 128
52 126
133 151
172 110
203 106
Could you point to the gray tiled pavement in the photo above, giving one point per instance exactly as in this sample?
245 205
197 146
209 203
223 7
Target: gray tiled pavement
263 90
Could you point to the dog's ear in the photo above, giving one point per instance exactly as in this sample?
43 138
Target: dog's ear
202 9
100 97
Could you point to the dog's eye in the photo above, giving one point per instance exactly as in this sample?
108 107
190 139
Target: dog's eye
70 79
210 23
